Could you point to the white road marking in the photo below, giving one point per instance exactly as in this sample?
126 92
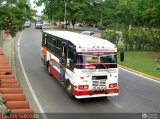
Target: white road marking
28 82
140 75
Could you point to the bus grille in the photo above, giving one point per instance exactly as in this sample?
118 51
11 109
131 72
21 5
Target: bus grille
99 82
99 77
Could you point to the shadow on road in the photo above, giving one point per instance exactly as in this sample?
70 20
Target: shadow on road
93 100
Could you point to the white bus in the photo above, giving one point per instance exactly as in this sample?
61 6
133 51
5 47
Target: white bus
91 69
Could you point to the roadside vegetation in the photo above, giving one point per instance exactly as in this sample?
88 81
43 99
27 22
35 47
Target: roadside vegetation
141 48
142 61
13 14
135 39
139 13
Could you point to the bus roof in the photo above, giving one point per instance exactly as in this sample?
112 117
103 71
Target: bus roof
83 41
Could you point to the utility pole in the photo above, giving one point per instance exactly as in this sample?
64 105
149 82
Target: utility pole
65 12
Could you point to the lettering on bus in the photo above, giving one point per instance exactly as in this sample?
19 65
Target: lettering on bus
99 70
97 50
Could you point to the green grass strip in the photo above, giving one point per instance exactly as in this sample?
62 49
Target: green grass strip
142 61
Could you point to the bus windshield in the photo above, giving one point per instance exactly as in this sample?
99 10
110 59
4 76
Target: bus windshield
96 60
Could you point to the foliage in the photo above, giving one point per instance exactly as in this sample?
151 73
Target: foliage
136 38
13 15
76 10
111 35
125 12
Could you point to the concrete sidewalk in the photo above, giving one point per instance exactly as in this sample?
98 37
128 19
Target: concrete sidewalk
9 51
6 47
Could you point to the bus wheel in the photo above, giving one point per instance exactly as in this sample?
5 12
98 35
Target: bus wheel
69 89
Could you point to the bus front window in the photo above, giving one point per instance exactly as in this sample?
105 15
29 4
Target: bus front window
108 59
96 61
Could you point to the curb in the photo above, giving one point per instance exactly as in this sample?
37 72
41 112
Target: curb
138 72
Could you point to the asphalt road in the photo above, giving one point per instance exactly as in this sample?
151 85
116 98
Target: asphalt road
137 94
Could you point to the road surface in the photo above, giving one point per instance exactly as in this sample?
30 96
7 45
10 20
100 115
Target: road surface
137 94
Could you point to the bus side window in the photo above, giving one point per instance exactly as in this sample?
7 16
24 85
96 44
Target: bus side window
58 43
57 49
53 41
48 44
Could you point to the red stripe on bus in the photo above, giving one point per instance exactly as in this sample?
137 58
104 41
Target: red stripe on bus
53 60
55 73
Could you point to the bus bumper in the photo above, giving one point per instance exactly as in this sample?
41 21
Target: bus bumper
91 94
94 96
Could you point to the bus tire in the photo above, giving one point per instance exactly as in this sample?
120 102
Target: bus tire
69 89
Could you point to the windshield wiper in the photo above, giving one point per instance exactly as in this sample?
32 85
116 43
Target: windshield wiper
107 69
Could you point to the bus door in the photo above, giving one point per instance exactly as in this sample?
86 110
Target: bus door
63 61
44 48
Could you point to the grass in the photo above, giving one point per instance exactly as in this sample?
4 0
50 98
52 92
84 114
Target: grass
142 61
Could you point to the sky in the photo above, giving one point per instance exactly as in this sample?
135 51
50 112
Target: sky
39 9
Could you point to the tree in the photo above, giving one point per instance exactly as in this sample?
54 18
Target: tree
13 15
124 12
77 10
